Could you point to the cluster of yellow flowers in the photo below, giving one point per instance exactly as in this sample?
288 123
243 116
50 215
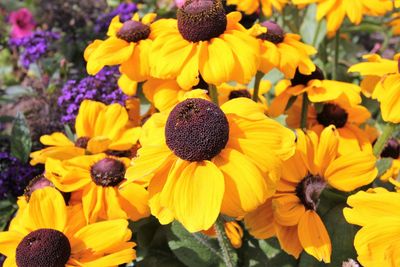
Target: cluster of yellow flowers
208 150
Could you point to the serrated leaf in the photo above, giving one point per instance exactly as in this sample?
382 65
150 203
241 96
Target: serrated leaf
21 142
191 250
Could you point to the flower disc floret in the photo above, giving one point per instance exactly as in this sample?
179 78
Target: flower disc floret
274 34
309 190
108 172
196 130
201 20
332 114
133 31
43 247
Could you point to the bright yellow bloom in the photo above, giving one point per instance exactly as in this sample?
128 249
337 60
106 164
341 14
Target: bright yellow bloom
48 233
99 128
315 166
378 215
251 6
335 11
201 160
94 181
382 82
204 41
128 45
283 51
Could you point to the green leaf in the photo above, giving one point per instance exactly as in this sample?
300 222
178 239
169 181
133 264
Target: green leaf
341 234
194 250
21 142
7 209
262 253
311 30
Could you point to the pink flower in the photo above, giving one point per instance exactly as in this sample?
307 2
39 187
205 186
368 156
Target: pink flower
179 3
22 23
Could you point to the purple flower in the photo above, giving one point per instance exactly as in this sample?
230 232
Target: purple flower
22 23
34 46
14 176
101 87
125 12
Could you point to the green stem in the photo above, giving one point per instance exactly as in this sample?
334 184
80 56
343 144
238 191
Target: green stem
304 112
258 78
202 240
212 90
388 131
316 34
226 248
336 59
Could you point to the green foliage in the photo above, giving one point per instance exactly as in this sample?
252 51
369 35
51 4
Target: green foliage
196 250
21 142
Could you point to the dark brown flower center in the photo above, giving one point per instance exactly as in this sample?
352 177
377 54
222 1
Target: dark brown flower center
332 114
239 93
108 172
43 248
196 130
82 142
201 20
304 79
133 31
274 34
392 149
309 190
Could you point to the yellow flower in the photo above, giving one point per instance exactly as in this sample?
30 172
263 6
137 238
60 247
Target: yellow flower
382 82
378 215
335 11
94 181
317 88
204 41
128 44
200 160
315 166
283 51
99 128
251 6
48 233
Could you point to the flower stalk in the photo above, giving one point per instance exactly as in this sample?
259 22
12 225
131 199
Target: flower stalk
258 78
226 248
388 131
212 90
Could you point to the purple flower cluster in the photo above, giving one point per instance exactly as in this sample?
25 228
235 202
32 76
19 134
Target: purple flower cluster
125 12
101 87
34 46
14 176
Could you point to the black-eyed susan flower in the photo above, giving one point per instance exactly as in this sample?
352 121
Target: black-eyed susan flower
227 92
99 128
315 166
128 45
204 41
376 211
283 51
336 11
317 88
382 82
201 160
251 6
392 150
48 233
94 181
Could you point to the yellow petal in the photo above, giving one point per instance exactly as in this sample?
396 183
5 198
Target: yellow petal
313 236
245 187
351 171
197 195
